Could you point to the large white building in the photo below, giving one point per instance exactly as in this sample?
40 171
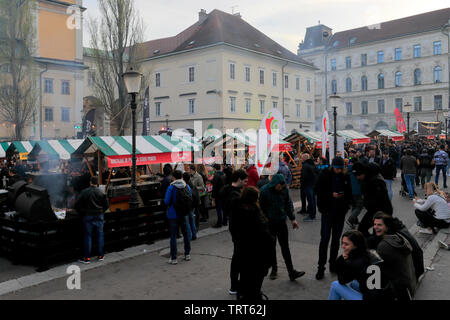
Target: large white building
227 74
375 69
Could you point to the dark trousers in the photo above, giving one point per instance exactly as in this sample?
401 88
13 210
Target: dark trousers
429 221
250 284
279 231
331 227
303 199
203 210
366 223
91 223
311 197
234 269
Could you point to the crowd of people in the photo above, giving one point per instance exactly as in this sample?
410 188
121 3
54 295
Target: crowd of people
359 180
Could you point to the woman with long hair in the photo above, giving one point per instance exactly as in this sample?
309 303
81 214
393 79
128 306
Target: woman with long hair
433 213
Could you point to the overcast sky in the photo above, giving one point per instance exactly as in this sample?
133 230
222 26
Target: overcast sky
285 21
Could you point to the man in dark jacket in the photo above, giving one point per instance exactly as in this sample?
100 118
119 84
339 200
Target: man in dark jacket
219 180
388 171
231 195
425 167
308 179
334 196
375 193
395 250
276 204
92 204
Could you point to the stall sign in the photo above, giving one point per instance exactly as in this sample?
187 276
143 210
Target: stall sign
147 159
23 156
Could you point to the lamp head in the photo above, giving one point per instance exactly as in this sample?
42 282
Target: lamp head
132 81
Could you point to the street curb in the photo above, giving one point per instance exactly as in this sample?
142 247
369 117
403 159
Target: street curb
60 272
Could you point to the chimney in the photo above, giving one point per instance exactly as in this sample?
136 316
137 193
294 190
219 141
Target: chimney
202 15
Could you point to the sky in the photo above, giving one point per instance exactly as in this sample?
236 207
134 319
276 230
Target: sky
285 22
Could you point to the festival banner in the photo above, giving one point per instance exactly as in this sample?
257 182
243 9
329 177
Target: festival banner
325 129
401 127
429 128
146 114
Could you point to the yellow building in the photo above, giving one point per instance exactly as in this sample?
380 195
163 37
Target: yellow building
59 57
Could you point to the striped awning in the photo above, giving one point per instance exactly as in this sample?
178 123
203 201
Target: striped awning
249 140
3 147
354 136
395 136
61 149
312 136
22 146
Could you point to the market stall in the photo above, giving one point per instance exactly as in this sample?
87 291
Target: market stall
387 135
3 147
354 137
20 149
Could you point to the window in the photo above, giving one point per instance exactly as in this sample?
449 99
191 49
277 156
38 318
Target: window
437 47
158 80
248 106
398 79
65 88
348 107
308 111
274 79
232 104
6 68
191 106
333 64
380 106
348 62
417 77
286 82
417 104
297 107
48 86
364 107
232 71
333 86
380 56
297 83
261 106
247 74
437 74
191 74
417 51
275 104
49 114
438 102
399 104
308 85
381 81
261 76
348 85
363 60
363 83
65 114
158 109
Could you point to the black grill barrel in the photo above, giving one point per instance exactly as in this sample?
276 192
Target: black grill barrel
34 204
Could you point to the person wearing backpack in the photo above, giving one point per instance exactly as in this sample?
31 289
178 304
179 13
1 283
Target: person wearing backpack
425 163
179 201
191 218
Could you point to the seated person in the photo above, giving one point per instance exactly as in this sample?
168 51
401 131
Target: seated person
434 211
351 269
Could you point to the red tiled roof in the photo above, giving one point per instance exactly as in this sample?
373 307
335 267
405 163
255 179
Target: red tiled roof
220 27
424 22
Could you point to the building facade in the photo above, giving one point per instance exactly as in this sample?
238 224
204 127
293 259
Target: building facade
378 68
227 74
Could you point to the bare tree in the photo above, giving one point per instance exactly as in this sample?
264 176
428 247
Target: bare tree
115 41
19 94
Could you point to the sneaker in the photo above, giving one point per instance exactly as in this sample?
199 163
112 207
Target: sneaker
232 292
187 257
194 238
273 275
309 219
294 274
173 261
425 231
320 274
444 245
101 258
85 260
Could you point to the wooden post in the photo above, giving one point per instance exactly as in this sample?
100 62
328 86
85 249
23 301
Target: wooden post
89 166
149 169
109 179
160 168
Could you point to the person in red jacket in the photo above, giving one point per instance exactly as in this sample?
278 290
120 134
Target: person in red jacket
253 176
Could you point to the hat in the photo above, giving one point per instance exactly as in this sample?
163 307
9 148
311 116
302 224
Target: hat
358 169
338 163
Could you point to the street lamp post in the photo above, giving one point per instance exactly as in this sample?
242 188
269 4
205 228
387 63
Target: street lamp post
407 108
334 102
167 122
132 81
446 115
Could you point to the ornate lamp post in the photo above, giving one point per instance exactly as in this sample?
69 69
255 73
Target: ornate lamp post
132 81
334 102
408 109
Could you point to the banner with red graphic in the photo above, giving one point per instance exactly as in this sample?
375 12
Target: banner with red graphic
401 127
325 129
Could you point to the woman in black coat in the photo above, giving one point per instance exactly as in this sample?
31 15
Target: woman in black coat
253 240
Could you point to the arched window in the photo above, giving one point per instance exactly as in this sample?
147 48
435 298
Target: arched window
398 79
417 77
437 74
381 81
333 86
348 85
363 83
